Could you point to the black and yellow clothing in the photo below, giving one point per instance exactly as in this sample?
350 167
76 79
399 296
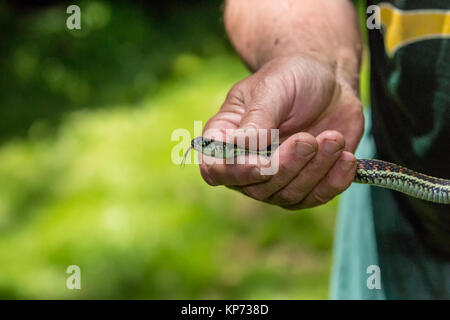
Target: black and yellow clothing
410 125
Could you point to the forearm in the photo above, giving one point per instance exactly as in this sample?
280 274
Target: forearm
328 30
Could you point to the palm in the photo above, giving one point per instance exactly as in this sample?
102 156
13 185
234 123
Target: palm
293 96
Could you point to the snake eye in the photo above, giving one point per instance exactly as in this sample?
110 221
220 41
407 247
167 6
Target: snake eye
206 142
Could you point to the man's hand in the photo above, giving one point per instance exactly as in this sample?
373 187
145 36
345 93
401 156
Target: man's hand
306 55
320 121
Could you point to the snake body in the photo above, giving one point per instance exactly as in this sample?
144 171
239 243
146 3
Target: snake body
368 171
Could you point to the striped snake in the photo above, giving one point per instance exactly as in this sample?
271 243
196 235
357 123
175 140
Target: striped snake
368 171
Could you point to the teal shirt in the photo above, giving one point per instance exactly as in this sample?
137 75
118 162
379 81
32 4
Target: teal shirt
370 231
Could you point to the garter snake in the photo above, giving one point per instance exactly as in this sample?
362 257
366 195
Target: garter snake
368 171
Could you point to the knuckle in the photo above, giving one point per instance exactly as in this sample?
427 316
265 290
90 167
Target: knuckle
356 102
240 174
359 118
356 113
339 186
355 109
253 174
283 166
288 197
254 193
236 172
261 86
337 181
236 94
321 197
205 172
316 167
335 188
265 86
358 108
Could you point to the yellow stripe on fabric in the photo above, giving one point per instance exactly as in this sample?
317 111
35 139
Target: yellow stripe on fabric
405 27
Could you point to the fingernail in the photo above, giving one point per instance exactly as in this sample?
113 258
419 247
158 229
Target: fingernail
304 149
332 147
346 165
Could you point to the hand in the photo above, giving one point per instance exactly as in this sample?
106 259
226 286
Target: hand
320 122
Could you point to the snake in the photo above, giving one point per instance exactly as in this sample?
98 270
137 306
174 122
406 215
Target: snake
374 172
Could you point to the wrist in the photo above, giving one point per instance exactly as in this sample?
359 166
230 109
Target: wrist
344 64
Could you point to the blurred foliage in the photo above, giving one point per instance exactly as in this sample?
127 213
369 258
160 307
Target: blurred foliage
364 84
86 119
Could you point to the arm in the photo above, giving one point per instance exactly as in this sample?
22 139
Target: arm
262 30
305 55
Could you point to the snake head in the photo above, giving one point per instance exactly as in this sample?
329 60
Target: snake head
211 147
200 143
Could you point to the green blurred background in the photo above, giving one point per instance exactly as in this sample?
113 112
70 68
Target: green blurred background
86 176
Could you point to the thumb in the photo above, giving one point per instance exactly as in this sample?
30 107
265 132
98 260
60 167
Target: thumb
260 121
258 118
